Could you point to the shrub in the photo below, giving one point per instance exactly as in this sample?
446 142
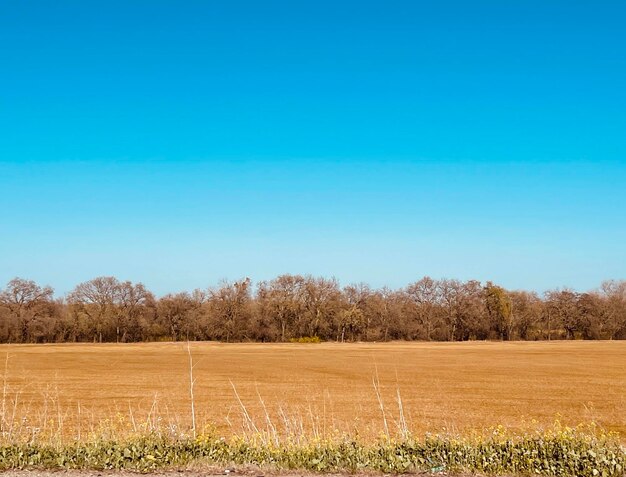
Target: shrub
306 339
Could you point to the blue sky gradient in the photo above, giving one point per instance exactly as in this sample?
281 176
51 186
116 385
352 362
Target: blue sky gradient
180 143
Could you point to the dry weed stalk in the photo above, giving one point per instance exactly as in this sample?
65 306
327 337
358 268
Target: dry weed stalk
376 383
247 419
271 428
4 393
191 385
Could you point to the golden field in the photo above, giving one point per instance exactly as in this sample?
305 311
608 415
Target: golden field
313 389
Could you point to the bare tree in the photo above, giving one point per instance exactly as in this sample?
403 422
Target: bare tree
526 310
423 297
132 301
281 300
384 307
563 311
321 302
112 307
614 296
25 302
229 308
95 299
175 312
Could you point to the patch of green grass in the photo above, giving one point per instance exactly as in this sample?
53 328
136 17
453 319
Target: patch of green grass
557 452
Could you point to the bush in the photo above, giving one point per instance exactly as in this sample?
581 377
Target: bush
306 339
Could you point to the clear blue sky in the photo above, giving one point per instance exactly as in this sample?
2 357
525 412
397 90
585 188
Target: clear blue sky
178 143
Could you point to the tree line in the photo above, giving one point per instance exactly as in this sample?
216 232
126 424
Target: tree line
293 307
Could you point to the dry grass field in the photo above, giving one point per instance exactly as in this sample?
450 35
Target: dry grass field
315 389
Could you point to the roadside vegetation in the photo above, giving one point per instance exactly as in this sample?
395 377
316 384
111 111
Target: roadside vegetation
560 451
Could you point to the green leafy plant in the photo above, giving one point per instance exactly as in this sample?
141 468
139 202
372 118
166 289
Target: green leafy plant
560 451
